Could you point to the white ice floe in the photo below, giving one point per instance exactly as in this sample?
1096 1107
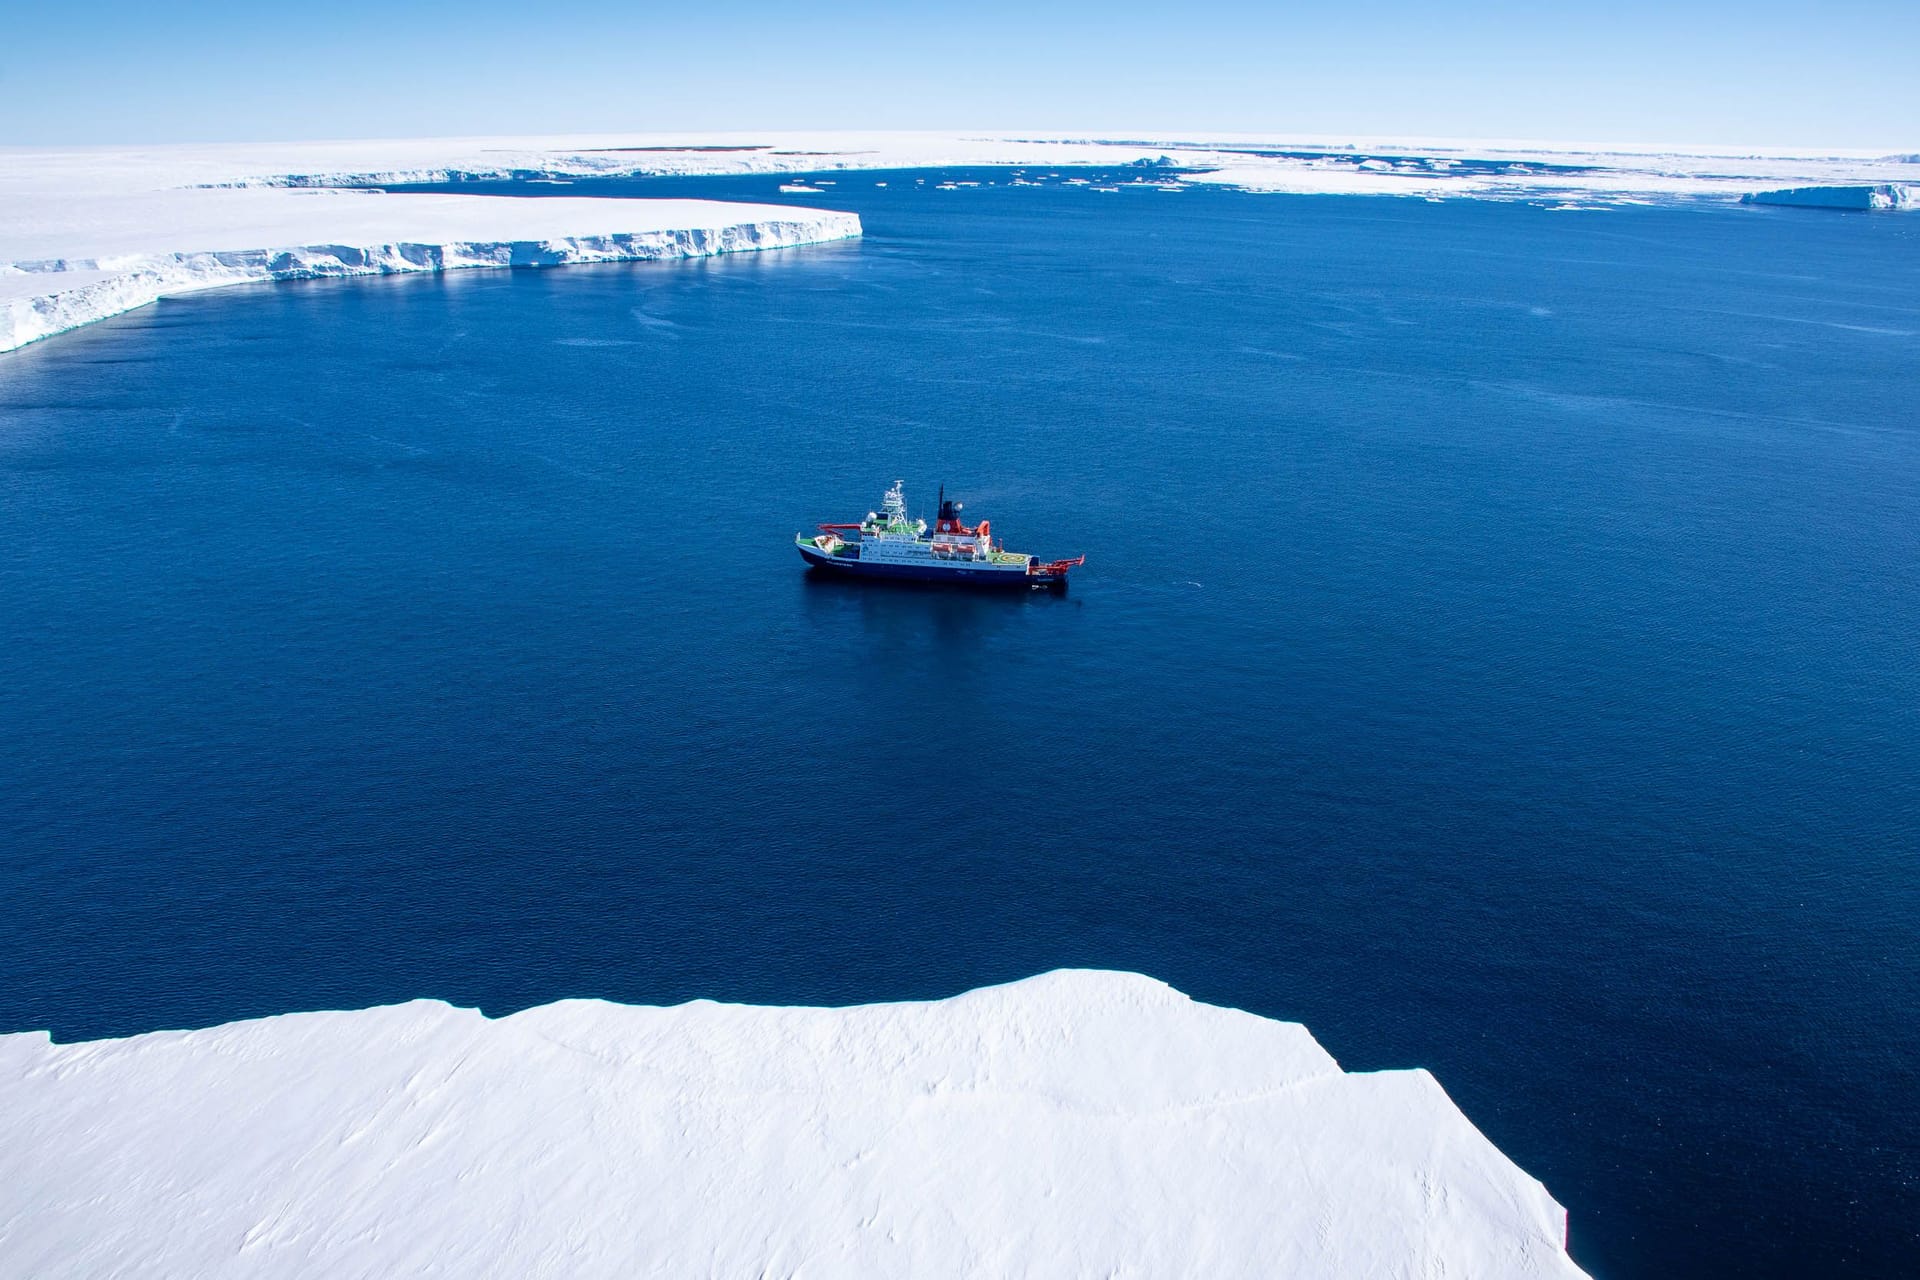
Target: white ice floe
1075 1124
1333 177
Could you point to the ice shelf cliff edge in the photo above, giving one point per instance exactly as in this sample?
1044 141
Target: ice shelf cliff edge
206 239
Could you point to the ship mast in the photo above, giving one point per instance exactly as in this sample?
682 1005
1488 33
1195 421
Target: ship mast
895 503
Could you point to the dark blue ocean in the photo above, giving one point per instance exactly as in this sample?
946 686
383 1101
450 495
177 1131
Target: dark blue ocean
1498 649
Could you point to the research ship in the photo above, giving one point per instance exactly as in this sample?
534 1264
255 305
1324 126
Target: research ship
887 545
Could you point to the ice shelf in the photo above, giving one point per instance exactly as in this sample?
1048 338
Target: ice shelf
100 230
93 255
1078 1123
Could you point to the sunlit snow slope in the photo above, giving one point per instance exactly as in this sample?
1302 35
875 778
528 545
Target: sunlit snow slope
1075 1124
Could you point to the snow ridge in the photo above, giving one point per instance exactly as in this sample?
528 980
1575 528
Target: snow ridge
1077 1123
41 298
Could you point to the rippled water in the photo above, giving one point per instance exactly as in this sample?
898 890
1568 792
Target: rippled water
1496 650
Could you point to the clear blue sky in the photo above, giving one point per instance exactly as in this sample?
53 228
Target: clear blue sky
1839 74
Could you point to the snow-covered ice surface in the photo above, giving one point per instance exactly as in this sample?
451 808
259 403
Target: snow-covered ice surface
107 229
1075 1124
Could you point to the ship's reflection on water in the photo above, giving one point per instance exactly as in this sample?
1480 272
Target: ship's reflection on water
915 630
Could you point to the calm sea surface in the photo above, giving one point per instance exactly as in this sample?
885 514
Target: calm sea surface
1499 649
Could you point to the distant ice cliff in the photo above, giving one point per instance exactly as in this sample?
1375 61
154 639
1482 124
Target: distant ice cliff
1879 195
1075 1124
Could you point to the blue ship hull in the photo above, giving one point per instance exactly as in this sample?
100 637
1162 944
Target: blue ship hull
954 575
